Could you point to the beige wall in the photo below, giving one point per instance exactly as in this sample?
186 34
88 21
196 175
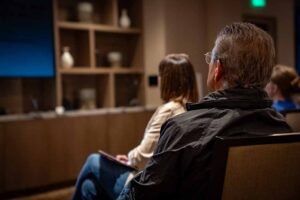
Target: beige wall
283 11
154 47
172 27
225 12
191 26
185 30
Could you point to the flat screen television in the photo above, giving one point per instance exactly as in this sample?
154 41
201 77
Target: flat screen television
26 38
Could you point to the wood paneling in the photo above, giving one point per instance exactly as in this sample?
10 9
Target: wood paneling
1 157
126 130
40 152
26 154
141 120
119 141
70 141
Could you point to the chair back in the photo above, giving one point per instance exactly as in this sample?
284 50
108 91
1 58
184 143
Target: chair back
260 168
293 119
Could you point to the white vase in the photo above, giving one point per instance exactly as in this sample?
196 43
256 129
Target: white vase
115 58
85 12
67 60
124 19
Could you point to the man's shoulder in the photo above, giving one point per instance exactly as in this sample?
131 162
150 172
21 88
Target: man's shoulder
192 116
179 121
186 123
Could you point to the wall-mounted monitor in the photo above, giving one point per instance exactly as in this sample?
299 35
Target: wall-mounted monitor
26 38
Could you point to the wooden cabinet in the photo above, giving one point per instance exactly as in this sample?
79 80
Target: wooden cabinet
23 95
49 151
90 44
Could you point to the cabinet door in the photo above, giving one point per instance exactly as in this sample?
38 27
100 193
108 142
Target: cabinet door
126 130
2 161
120 131
37 153
26 155
70 141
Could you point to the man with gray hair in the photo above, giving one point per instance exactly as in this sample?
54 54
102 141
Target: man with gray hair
240 66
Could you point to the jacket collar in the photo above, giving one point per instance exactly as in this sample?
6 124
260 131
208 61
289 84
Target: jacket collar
243 98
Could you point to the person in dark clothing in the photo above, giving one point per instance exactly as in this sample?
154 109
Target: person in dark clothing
240 66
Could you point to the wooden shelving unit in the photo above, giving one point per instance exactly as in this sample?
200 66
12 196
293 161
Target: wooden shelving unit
97 27
100 70
90 44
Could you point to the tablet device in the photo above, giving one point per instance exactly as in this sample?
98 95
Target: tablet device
112 158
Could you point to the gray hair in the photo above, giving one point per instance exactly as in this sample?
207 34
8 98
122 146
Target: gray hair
246 53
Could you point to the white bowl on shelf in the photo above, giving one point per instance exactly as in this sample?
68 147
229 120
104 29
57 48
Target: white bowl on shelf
115 58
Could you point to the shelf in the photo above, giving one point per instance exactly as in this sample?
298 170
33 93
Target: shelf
127 44
100 70
78 42
75 25
97 27
103 11
73 84
84 70
127 71
91 41
134 10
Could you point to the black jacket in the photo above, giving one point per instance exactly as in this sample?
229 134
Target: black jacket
180 166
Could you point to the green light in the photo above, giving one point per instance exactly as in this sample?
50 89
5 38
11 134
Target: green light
258 3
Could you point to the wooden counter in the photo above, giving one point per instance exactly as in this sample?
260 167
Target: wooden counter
49 149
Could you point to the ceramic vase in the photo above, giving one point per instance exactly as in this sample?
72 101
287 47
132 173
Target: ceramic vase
85 12
124 19
66 58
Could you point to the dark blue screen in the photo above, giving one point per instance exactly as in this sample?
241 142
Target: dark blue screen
297 27
26 38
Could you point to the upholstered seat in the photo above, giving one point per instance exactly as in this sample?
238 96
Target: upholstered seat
293 119
260 168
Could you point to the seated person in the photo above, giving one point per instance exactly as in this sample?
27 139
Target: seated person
240 66
283 86
102 179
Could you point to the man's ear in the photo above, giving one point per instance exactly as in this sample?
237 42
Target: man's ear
218 72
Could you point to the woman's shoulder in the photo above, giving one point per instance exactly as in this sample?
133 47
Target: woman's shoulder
172 107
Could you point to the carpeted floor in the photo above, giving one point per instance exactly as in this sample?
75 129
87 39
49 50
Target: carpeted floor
61 194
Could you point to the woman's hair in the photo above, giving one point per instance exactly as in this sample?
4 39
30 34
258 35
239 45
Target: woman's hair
286 79
178 80
246 53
